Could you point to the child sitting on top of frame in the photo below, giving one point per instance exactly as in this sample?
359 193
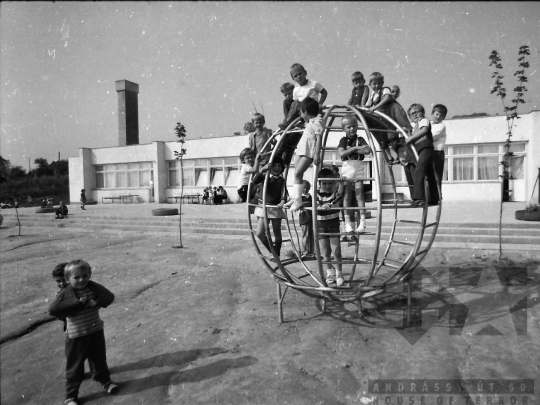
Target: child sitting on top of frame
360 91
306 88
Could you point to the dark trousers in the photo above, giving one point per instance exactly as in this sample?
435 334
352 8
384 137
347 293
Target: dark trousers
438 162
289 146
409 175
423 169
242 192
91 347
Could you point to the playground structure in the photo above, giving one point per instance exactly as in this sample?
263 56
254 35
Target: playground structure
367 272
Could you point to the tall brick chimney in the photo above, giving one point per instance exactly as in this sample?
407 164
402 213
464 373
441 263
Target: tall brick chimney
128 112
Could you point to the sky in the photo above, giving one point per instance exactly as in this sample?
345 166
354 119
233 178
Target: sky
210 65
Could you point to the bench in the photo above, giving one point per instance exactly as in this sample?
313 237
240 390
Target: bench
111 199
191 198
125 198
129 198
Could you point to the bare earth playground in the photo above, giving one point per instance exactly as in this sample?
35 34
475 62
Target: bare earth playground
199 325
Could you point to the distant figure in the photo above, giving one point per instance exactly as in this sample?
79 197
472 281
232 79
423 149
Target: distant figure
50 202
224 194
61 211
205 196
44 203
83 199
218 199
16 203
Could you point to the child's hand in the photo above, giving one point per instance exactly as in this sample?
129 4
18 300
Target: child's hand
326 207
408 140
280 205
91 304
84 300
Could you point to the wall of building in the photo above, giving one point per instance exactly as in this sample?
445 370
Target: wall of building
468 131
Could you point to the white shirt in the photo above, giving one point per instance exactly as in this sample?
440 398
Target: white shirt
311 89
439 135
243 178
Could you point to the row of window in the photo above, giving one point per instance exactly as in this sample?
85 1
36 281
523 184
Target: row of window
124 175
462 163
474 163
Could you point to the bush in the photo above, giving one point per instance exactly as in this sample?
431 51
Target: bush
56 187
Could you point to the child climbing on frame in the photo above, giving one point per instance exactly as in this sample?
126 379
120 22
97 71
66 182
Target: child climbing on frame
328 225
276 194
352 149
306 150
250 164
305 88
381 99
422 139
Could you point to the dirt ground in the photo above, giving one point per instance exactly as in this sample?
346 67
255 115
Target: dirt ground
199 326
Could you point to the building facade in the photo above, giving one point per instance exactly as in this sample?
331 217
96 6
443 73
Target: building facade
474 148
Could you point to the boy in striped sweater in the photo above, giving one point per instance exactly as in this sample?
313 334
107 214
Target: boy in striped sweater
329 198
79 303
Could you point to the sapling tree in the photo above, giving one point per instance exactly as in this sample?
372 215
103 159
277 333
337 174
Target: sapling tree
181 133
511 112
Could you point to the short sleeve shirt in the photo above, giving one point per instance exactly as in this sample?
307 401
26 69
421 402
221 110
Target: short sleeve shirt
243 178
312 89
439 135
375 98
346 143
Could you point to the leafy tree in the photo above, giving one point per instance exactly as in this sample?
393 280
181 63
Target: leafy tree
511 112
249 127
60 167
43 168
17 172
5 169
181 134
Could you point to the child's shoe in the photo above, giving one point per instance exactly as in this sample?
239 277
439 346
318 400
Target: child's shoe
339 279
111 388
362 226
71 401
348 227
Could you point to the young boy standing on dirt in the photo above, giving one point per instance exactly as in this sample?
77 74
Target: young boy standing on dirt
79 303
58 275
83 199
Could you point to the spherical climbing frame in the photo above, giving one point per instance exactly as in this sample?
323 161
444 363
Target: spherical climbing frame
374 272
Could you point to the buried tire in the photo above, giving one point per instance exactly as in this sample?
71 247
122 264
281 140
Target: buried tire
163 212
42 210
523 215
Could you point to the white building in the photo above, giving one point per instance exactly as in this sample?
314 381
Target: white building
474 149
